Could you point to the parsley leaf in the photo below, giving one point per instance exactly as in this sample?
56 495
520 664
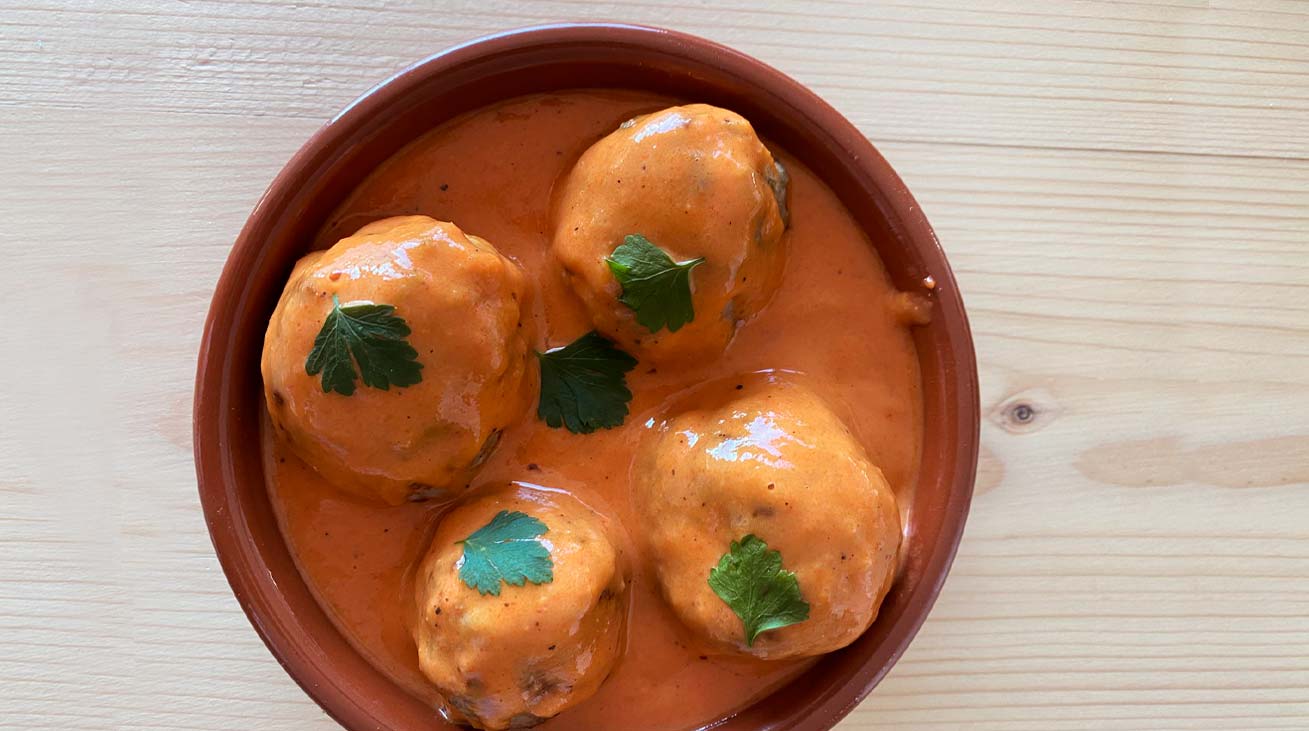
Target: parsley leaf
507 549
750 579
370 335
656 288
583 385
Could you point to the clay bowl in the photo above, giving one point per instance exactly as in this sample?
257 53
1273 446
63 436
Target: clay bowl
228 403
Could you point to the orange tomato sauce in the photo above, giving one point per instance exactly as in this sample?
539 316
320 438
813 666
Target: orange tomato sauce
836 319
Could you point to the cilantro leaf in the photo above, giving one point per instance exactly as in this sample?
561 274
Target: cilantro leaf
507 549
656 288
583 385
749 579
369 335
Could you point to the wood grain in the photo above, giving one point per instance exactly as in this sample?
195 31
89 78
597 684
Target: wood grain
1123 188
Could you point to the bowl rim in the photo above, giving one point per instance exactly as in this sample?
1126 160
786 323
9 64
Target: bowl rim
212 396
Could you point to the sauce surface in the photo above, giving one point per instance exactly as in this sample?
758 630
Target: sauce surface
836 320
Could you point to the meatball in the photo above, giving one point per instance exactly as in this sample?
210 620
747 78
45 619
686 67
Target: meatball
463 303
769 460
696 182
514 659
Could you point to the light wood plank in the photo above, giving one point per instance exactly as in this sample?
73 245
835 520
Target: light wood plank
1179 77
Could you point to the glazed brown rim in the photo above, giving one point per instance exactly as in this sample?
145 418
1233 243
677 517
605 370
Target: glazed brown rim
371 701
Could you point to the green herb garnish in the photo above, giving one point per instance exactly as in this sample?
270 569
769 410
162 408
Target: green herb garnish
750 579
509 550
657 288
583 385
367 334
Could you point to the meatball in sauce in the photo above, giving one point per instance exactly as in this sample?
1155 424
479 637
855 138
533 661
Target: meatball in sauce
461 302
508 656
762 456
697 182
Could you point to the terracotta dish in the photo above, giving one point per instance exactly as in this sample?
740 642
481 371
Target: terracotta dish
298 207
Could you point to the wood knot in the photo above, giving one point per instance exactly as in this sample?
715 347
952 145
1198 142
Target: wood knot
1024 412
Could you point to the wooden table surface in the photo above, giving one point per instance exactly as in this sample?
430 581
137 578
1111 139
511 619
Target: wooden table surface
1123 189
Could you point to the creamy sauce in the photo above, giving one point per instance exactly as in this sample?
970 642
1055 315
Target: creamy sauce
836 320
